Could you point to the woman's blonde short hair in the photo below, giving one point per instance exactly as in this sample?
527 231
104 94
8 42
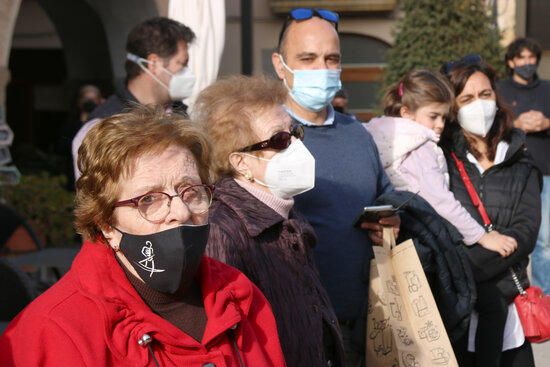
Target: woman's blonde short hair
110 150
227 110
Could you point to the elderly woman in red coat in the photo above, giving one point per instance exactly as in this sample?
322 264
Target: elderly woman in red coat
140 292
261 164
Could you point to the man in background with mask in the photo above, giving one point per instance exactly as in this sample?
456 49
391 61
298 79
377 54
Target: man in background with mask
88 99
156 73
348 172
529 98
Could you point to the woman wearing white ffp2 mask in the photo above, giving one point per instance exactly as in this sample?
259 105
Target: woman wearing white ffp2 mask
260 165
504 176
477 117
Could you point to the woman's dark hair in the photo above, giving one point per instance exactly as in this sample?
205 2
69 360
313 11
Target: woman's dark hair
458 75
157 35
516 48
418 88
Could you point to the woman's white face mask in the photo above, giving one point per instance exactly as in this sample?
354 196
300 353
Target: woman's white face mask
290 172
477 117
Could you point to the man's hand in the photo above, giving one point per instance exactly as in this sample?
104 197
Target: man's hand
532 122
375 229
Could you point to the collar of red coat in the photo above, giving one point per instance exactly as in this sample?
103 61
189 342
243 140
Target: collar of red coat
227 296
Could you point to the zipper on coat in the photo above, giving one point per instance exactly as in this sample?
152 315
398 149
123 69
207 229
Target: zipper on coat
233 338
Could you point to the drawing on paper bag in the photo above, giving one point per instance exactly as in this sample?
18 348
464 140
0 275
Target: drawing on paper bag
429 332
403 336
420 307
381 336
395 310
440 357
413 281
409 360
392 286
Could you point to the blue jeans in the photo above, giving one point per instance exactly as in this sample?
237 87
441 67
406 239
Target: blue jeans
541 255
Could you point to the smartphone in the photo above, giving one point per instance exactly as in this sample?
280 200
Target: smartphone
374 213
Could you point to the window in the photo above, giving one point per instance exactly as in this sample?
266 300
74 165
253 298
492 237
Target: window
363 64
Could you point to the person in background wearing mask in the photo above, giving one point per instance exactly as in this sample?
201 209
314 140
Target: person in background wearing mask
348 172
140 292
88 98
529 98
507 182
340 103
260 164
156 72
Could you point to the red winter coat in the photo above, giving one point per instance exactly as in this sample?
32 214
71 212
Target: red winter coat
94 317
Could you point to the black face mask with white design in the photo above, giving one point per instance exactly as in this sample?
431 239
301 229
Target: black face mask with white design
166 261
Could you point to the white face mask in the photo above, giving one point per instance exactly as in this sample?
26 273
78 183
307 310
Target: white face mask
478 117
181 84
289 172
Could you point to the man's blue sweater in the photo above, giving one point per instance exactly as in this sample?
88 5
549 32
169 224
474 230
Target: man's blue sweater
348 176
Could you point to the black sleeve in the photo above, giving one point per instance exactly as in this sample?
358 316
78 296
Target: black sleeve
524 228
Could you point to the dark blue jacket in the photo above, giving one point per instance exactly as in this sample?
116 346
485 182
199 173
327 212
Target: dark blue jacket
441 252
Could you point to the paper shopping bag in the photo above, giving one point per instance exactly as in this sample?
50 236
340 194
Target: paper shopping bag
404 327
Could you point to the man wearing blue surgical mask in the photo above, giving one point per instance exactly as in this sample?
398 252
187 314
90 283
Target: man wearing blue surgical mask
156 73
529 98
348 172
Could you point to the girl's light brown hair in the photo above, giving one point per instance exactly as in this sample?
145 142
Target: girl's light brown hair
110 150
418 88
227 110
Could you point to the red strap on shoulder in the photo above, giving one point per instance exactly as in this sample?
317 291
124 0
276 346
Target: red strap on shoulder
472 192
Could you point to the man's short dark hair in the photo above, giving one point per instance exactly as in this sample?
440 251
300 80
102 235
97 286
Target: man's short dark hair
156 35
515 48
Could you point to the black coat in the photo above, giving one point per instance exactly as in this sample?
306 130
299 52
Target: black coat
439 247
510 192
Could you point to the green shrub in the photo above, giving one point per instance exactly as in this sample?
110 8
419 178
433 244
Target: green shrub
44 203
433 32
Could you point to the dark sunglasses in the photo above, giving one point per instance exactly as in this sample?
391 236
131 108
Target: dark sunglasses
307 13
279 141
467 60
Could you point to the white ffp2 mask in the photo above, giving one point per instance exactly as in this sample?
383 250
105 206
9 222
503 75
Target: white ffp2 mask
181 84
289 172
477 117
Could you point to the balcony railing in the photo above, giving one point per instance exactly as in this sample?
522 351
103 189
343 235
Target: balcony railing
348 6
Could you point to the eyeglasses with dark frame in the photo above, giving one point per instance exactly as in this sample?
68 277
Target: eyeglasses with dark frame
307 13
155 206
279 141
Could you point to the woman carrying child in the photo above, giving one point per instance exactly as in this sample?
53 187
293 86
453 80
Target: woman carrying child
407 138
504 177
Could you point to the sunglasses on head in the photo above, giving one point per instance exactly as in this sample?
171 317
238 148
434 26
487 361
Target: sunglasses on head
307 13
467 60
279 141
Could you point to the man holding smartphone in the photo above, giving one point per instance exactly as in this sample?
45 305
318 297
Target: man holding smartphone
348 172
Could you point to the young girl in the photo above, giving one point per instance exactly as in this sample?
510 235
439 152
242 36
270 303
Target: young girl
407 136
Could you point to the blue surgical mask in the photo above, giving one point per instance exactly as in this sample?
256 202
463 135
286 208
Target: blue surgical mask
313 89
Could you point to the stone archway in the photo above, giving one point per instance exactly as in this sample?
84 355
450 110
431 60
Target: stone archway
8 15
93 35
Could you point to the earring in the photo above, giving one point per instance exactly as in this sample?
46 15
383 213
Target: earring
249 176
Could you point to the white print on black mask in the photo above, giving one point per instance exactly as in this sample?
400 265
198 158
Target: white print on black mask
148 264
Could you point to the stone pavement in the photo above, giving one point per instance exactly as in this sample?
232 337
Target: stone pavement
542 354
